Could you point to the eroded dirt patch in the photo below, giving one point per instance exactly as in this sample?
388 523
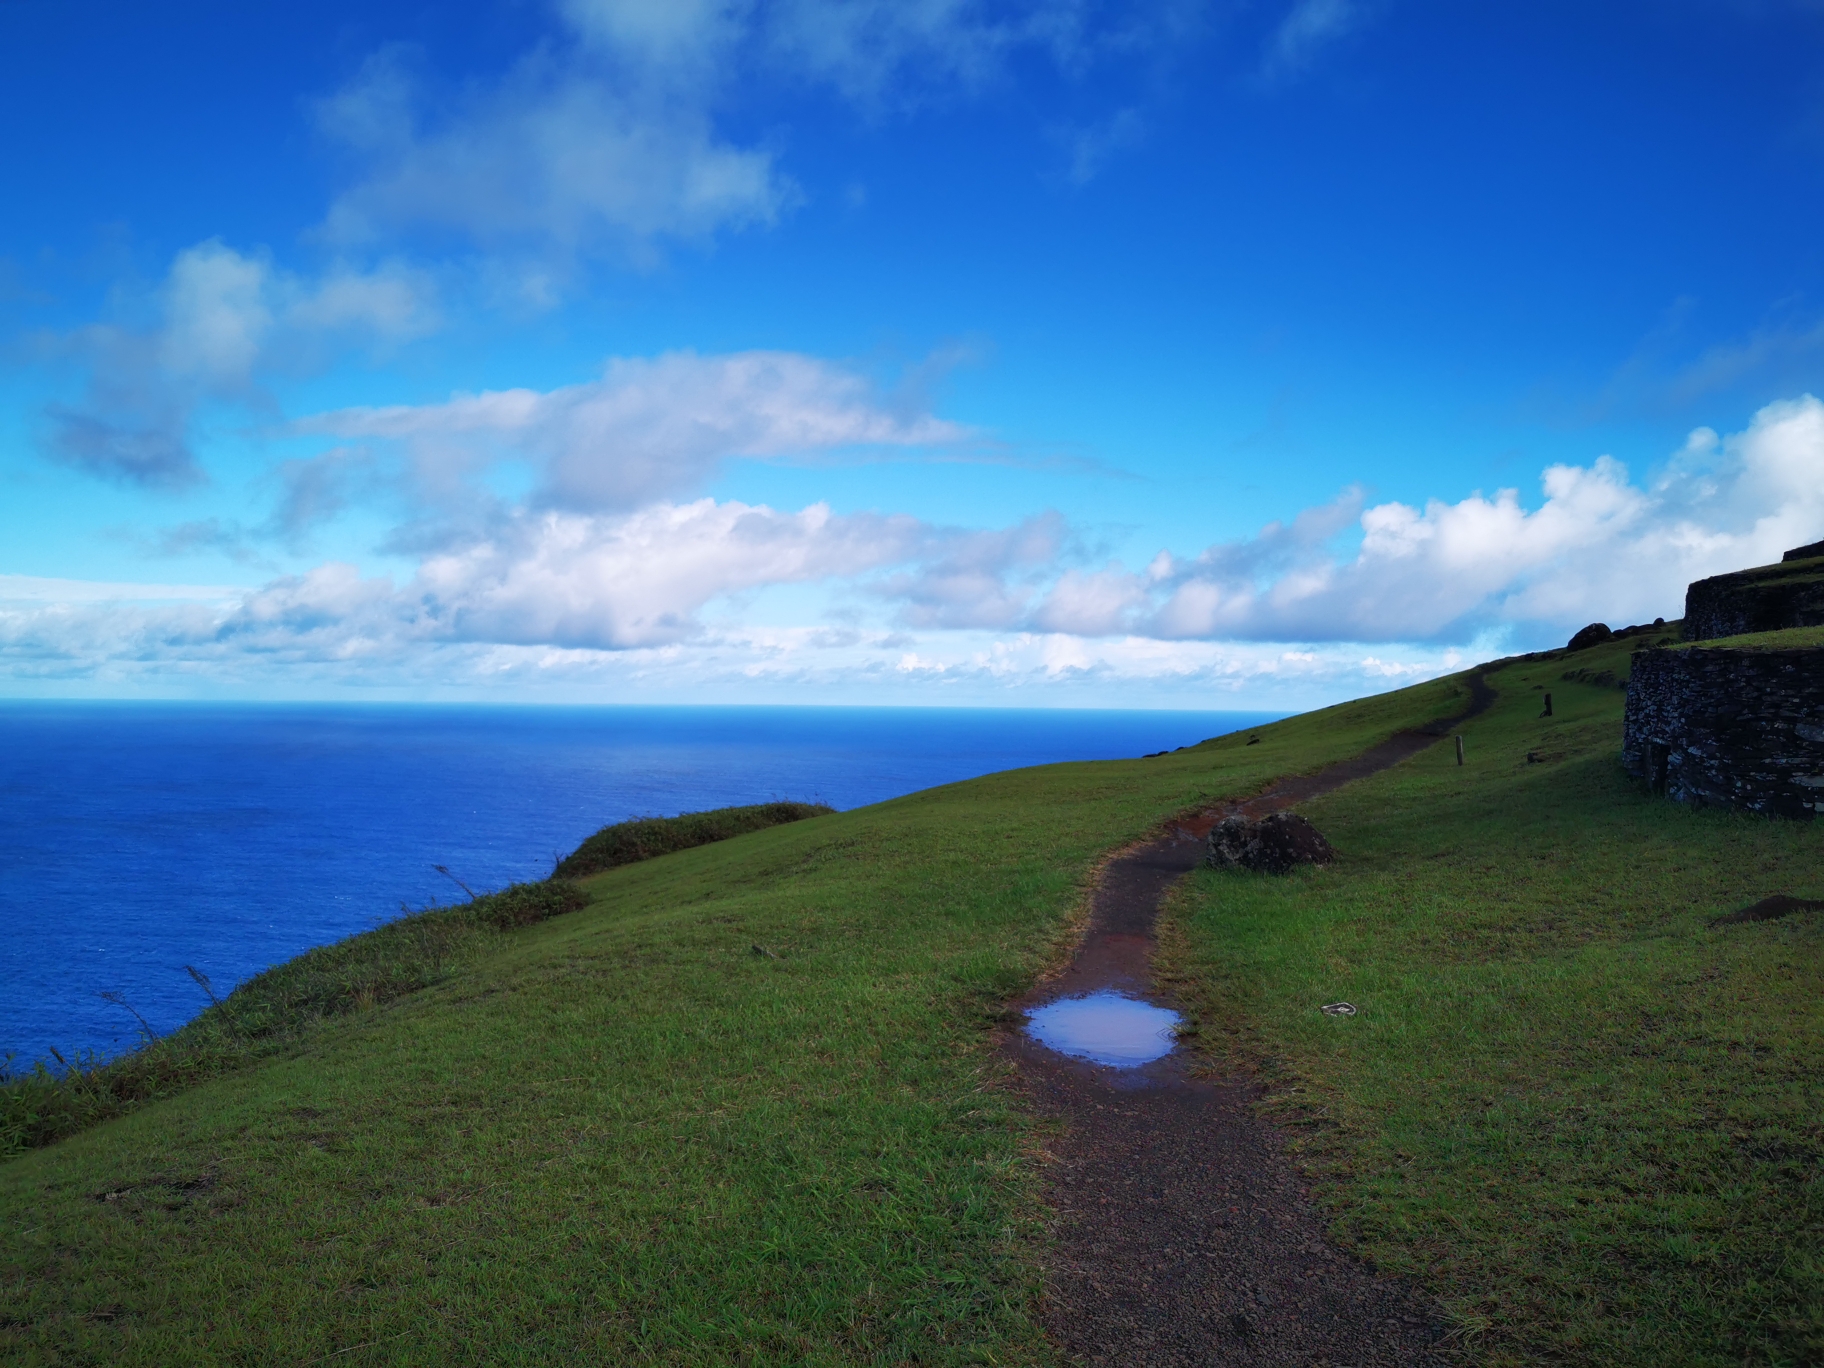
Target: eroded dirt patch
1768 909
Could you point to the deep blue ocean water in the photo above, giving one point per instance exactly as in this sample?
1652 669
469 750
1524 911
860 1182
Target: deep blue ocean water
137 838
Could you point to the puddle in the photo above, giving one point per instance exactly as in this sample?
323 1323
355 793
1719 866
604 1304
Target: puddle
1104 1028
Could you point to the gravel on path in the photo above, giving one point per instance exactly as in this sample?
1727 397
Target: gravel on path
1184 1233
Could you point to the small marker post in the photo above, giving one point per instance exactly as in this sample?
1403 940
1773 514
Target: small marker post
1459 750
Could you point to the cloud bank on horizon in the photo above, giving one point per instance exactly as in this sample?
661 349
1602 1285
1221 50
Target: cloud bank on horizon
387 456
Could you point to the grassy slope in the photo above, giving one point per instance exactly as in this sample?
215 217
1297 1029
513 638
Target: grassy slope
1591 1124
1787 639
627 1135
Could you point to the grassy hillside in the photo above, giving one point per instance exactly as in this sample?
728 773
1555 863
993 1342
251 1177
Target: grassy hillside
626 1133
1590 1123
741 1107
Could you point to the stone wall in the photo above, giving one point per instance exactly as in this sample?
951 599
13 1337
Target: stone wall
1717 727
1768 599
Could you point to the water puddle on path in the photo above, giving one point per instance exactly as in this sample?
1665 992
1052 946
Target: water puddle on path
1104 1028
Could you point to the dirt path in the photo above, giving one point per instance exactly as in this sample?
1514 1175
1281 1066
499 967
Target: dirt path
1185 1235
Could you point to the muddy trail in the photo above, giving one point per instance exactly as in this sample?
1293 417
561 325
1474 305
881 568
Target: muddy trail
1184 1233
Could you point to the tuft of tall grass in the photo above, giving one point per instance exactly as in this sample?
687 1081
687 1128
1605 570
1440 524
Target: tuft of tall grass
44 1104
646 837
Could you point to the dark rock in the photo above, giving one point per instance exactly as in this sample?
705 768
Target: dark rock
1273 845
1811 552
1593 635
1228 839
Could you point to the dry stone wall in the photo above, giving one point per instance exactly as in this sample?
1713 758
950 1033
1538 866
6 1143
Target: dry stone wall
1770 598
1730 728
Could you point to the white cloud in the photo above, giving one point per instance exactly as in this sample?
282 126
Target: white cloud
648 429
1308 26
333 633
557 157
1092 148
666 41
608 139
867 48
18 589
614 583
671 588
218 319
216 315
872 52
1597 547
964 582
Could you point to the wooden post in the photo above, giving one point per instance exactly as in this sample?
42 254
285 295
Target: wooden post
1459 750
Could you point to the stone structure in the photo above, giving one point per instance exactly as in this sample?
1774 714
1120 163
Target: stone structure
1729 728
1770 598
1733 726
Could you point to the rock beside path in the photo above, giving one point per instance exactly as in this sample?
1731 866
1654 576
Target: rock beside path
1273 845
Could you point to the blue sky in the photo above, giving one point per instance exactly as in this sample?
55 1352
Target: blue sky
1057 353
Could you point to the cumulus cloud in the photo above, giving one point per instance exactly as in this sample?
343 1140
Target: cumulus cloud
648 428
614 583
218 319
1339 593
562 580
1597 546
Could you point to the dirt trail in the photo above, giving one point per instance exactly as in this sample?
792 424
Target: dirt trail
1185 1235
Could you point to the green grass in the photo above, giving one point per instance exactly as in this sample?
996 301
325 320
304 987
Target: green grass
1587 1122
1786 639
624 1136
1780 572
270 1013
645 838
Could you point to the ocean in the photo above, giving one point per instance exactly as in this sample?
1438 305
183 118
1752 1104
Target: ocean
138 838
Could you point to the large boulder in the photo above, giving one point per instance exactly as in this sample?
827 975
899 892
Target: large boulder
1593 635
1273 845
